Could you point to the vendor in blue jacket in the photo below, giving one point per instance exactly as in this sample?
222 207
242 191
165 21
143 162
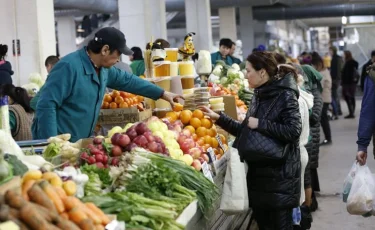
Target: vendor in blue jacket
223 54
366 126
73 93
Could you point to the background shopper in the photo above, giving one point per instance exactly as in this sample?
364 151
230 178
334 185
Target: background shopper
350 78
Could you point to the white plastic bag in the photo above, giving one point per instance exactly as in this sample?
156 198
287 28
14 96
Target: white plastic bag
349 181
234 198
362 193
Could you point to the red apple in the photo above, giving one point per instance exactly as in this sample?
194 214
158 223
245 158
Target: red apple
116 151
153 146
195 152
131 133
123 140
130 147
186 132
114 138
205 157
197 165
184 147
140 141
141 128
149 136
181 139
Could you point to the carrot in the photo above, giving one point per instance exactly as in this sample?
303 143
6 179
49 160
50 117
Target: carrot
91 214
14 200
99 212
47 215
64 224
64 215
71 202
51 193
52 227
33 219
99 227
4 213
37 195
14 213
87 224
60 191
77 215
25 187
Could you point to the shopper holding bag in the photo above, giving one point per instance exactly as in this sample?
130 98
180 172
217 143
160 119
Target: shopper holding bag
268 141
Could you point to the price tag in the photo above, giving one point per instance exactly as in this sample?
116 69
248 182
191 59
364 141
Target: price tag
207 172
212 154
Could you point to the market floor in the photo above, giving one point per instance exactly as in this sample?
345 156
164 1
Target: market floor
335 163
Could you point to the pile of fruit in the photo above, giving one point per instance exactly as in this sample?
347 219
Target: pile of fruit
100 154
119 99
198 136
47 202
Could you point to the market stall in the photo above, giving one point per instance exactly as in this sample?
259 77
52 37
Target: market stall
149 166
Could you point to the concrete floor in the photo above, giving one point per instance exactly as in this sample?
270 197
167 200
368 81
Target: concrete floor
335 162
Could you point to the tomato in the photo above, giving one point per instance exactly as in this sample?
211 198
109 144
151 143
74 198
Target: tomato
119 99
113 105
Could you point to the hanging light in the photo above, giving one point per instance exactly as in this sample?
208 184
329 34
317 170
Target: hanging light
344 20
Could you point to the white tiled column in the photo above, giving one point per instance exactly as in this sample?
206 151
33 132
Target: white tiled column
66 34
198 20
228 26
247 30
142 20
33 23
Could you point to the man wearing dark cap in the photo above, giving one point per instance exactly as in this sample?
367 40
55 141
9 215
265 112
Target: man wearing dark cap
73 93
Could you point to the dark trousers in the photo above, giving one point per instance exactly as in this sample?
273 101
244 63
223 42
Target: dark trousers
349 95
274 220
336 106
324 121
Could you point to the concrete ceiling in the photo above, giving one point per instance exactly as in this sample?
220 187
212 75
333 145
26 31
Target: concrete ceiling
317 22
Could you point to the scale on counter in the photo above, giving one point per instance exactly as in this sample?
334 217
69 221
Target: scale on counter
37 146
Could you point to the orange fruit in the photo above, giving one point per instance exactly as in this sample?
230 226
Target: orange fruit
123 94
185 117
190 128
135 100
195 122
115 93
206 123
119 99
216 151
201 131
177 107
123 105
105 105
140 98
205 147
195 137
211 132
208 140
172 116
198 114
108 98
214 142
223 139
221 152
113 105
200 141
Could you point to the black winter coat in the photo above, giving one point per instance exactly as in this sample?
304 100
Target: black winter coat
6 73
347 77
274 186
313 146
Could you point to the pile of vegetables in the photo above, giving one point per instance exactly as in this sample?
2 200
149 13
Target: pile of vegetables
229 76
143 172
43 206
98 179
60 150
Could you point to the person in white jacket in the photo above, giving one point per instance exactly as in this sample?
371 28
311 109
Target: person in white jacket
306 102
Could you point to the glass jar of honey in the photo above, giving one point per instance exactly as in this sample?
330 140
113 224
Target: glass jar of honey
162 69
172 54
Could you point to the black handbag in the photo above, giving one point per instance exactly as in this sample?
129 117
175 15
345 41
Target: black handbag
254 146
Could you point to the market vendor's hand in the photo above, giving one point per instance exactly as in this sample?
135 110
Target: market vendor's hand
253 123
209 113
361 157
171 97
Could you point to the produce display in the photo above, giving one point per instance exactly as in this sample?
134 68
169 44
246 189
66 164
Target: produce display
119 99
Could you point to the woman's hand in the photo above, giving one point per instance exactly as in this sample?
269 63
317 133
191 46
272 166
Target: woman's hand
361 157
253 123
208 112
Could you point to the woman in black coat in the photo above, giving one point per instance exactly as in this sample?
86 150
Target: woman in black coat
274 186
349 80
5 67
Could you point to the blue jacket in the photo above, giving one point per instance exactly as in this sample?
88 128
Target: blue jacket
73 93
217 56
367 118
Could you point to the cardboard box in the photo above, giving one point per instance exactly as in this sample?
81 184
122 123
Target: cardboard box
122 116
230 107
